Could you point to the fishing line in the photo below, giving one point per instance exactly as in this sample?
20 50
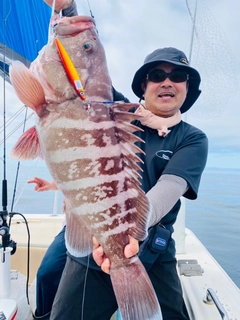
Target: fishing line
85 279
90 9
193 28
85 286
29 176
38 22
10 120
17 127
5 13
18 166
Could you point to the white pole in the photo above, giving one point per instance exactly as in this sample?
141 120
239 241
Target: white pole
5 278
55 205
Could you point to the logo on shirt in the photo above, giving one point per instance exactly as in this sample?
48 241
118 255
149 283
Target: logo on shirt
164 154
160 242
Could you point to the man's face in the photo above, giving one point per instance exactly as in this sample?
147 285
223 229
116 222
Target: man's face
164 98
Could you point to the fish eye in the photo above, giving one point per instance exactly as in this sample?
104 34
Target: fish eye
88 47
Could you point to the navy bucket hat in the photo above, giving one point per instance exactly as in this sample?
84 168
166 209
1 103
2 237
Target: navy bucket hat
176 57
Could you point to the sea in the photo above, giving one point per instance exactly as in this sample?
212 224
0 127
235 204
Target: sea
214 216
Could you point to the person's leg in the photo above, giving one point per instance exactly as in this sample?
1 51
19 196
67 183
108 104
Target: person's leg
168 289
84 294
49 275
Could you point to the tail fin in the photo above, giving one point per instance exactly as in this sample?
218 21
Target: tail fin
134 292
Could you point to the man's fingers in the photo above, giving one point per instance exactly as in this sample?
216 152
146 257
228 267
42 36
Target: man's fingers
98 254
31 181
37 180
95 243
132 248
59 4
106 266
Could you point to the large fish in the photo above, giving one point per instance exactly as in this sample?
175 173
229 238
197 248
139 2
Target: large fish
89 148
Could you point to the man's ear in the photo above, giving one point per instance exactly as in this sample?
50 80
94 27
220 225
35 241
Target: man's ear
143 86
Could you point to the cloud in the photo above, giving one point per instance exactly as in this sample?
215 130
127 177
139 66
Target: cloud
129 30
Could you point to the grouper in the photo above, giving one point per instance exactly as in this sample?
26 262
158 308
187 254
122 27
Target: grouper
88 144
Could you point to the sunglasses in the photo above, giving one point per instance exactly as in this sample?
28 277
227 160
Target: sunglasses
175 76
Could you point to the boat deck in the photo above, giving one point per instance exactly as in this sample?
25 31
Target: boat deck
195 283
198 270
43 229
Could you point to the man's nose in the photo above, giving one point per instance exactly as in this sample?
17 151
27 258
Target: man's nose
166 83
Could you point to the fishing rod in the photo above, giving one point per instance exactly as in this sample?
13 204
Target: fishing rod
8 246
4 227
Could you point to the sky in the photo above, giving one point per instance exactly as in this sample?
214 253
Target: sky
130 30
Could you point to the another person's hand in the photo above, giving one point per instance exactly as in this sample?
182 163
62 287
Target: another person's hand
59 4
43 185
102 261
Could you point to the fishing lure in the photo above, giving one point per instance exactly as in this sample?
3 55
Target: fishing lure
70 69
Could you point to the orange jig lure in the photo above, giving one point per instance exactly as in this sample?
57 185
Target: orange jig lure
70 69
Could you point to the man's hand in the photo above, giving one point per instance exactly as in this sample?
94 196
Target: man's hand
59 4
43 185
102 261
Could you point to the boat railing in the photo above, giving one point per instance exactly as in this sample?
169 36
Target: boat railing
212 298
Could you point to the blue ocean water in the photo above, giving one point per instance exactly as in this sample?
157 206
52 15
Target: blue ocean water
214 217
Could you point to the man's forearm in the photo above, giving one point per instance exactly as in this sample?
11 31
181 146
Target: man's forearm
164 195
71 10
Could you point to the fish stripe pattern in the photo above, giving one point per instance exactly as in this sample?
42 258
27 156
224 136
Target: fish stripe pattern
89 148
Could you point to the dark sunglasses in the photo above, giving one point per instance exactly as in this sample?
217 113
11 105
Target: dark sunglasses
175 76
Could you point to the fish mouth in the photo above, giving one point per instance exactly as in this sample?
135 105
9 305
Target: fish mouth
70 26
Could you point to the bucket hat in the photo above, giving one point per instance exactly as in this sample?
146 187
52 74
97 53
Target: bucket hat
176 57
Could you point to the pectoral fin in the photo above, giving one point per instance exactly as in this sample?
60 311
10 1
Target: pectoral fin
27 146
27 87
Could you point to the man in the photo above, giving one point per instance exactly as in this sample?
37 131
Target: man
166 90
176 155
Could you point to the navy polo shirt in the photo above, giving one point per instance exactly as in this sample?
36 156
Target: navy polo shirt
183 152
